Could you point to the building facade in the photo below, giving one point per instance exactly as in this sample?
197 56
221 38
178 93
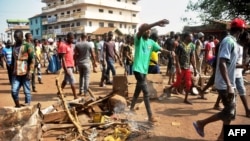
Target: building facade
36 28
16 24
78 16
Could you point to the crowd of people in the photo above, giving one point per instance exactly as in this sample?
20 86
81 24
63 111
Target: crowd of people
188 55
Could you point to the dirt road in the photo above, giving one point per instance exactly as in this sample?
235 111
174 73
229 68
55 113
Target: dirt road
175 117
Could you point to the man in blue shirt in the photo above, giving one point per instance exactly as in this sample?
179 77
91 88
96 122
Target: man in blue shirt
7 56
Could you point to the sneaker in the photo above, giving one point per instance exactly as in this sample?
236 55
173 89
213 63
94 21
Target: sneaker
102 85
152 119
162 97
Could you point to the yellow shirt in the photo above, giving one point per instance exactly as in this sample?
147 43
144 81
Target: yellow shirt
38 52
154 58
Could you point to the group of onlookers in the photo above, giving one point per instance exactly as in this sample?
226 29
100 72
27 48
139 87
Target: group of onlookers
139 55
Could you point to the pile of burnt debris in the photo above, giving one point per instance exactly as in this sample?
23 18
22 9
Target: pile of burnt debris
88 119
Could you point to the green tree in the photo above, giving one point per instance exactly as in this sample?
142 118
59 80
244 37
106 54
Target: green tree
219 9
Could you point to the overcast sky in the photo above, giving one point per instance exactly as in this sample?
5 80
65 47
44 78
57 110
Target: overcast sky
151 11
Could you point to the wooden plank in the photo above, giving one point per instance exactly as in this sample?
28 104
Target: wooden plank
120 83
58 116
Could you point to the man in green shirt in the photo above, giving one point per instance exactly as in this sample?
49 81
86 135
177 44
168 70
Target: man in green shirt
143 49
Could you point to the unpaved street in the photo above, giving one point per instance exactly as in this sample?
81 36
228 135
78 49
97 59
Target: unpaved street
175 117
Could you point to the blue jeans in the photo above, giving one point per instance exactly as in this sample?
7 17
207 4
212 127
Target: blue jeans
110 66
129 69
240 86
141 85
17 82
153 69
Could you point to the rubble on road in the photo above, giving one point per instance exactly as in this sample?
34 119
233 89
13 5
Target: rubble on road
84 119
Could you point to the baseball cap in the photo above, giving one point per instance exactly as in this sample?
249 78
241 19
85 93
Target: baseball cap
238 23
50 40
200 34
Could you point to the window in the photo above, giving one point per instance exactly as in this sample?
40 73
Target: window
74 11
110 24
78 10
134 15
101 10
56 27
31 32
63 26
37 31
101 24
134 3
125 25
110 12
78 24
62 14
120 13
36 21
120 25
68 12
126 1
30 22
134 26
55 15
90 23
72 24
119 0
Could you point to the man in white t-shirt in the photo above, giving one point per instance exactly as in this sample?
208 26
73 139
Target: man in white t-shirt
92 45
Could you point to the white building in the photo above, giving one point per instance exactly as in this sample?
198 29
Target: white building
78 16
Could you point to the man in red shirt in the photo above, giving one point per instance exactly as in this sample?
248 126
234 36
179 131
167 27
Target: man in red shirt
66 52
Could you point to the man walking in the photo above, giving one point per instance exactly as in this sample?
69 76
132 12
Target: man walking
109 53
225 79
66 52
7 56
143 49
184 57
23 61
83 52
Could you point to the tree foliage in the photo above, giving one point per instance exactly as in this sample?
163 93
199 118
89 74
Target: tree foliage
220 9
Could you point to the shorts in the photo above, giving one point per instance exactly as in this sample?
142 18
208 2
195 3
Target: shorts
69 77
229 111
172 69
211 61
240 86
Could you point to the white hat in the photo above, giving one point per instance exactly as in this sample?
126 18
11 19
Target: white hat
200 34
50 40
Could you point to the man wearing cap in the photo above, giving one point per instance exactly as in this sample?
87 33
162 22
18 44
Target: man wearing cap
143 49
225 79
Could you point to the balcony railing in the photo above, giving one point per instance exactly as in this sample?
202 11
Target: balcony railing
69 1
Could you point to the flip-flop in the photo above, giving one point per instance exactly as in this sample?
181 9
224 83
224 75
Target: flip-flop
198 130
